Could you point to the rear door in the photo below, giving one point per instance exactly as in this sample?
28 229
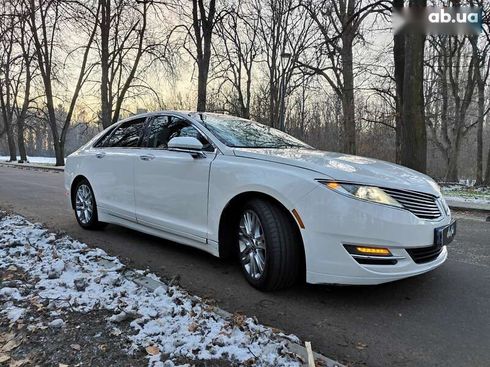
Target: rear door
112 169
171 188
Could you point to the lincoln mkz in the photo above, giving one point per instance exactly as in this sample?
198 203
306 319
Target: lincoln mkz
234 187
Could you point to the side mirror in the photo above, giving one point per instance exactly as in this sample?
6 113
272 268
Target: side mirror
185 143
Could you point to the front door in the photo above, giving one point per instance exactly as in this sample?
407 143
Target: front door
171 188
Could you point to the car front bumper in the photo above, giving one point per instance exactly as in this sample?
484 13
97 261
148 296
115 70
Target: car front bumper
332 220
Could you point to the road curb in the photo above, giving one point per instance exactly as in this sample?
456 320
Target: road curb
152 284
32 166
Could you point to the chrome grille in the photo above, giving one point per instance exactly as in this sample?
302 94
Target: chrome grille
421 204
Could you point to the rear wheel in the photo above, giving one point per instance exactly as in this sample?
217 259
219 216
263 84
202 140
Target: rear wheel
269 248
85 206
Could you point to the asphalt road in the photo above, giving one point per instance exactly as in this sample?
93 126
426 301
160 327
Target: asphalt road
438 319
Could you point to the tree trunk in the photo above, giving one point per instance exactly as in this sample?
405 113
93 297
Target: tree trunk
58 149
202 82
486 181
20 141
480 83
413 131
348 104
105 23
487 173
452 169
11 142
399 59
203 24
59 153
246 111
273 98
25 106
479 132
6 109
7 120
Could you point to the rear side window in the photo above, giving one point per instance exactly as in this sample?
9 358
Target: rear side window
125 136
103 140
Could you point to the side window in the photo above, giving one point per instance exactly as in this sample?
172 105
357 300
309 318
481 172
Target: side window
158 135
164 128
127 135
103 140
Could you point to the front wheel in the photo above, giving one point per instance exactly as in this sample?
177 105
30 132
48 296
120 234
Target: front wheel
269 247
85 206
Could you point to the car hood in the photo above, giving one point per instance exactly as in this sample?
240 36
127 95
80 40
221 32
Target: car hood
344 167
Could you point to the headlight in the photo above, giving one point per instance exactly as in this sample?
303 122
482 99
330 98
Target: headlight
362 192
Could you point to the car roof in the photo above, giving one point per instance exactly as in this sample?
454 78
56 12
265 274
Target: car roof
193 114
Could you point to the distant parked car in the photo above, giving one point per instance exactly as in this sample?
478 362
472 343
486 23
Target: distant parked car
234 187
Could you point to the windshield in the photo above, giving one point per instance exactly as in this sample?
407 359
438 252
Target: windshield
240 133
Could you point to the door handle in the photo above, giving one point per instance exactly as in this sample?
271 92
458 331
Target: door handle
147 157
100 155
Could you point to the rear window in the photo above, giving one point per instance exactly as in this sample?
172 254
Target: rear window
125 136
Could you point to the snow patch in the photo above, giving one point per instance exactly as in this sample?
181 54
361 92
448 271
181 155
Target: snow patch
467 199
69 274
41 160
13 313
12 293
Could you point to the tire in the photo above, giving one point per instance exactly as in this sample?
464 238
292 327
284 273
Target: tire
274 240
86 206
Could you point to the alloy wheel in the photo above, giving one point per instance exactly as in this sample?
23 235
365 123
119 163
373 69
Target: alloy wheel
84 204
251 241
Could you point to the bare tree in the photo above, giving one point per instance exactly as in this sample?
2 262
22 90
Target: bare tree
203 23
123 29
486 180
44 22
399 71
8 85
240 48
27 56
128 47
481 52
199 22
482 73
339 23
457 71
285 31
413 130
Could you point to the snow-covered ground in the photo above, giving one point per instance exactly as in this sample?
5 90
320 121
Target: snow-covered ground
167 323
467 199
467 194
38 160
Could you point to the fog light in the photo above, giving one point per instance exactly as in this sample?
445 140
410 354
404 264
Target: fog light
380 251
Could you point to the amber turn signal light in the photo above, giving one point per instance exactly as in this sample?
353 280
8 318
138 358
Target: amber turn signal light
333 185
373 251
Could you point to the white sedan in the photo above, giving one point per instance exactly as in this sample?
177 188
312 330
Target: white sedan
234 187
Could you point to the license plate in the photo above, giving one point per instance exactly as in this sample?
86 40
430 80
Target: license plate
444 235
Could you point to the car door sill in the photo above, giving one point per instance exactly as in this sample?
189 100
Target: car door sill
102 211
172 231
185 239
